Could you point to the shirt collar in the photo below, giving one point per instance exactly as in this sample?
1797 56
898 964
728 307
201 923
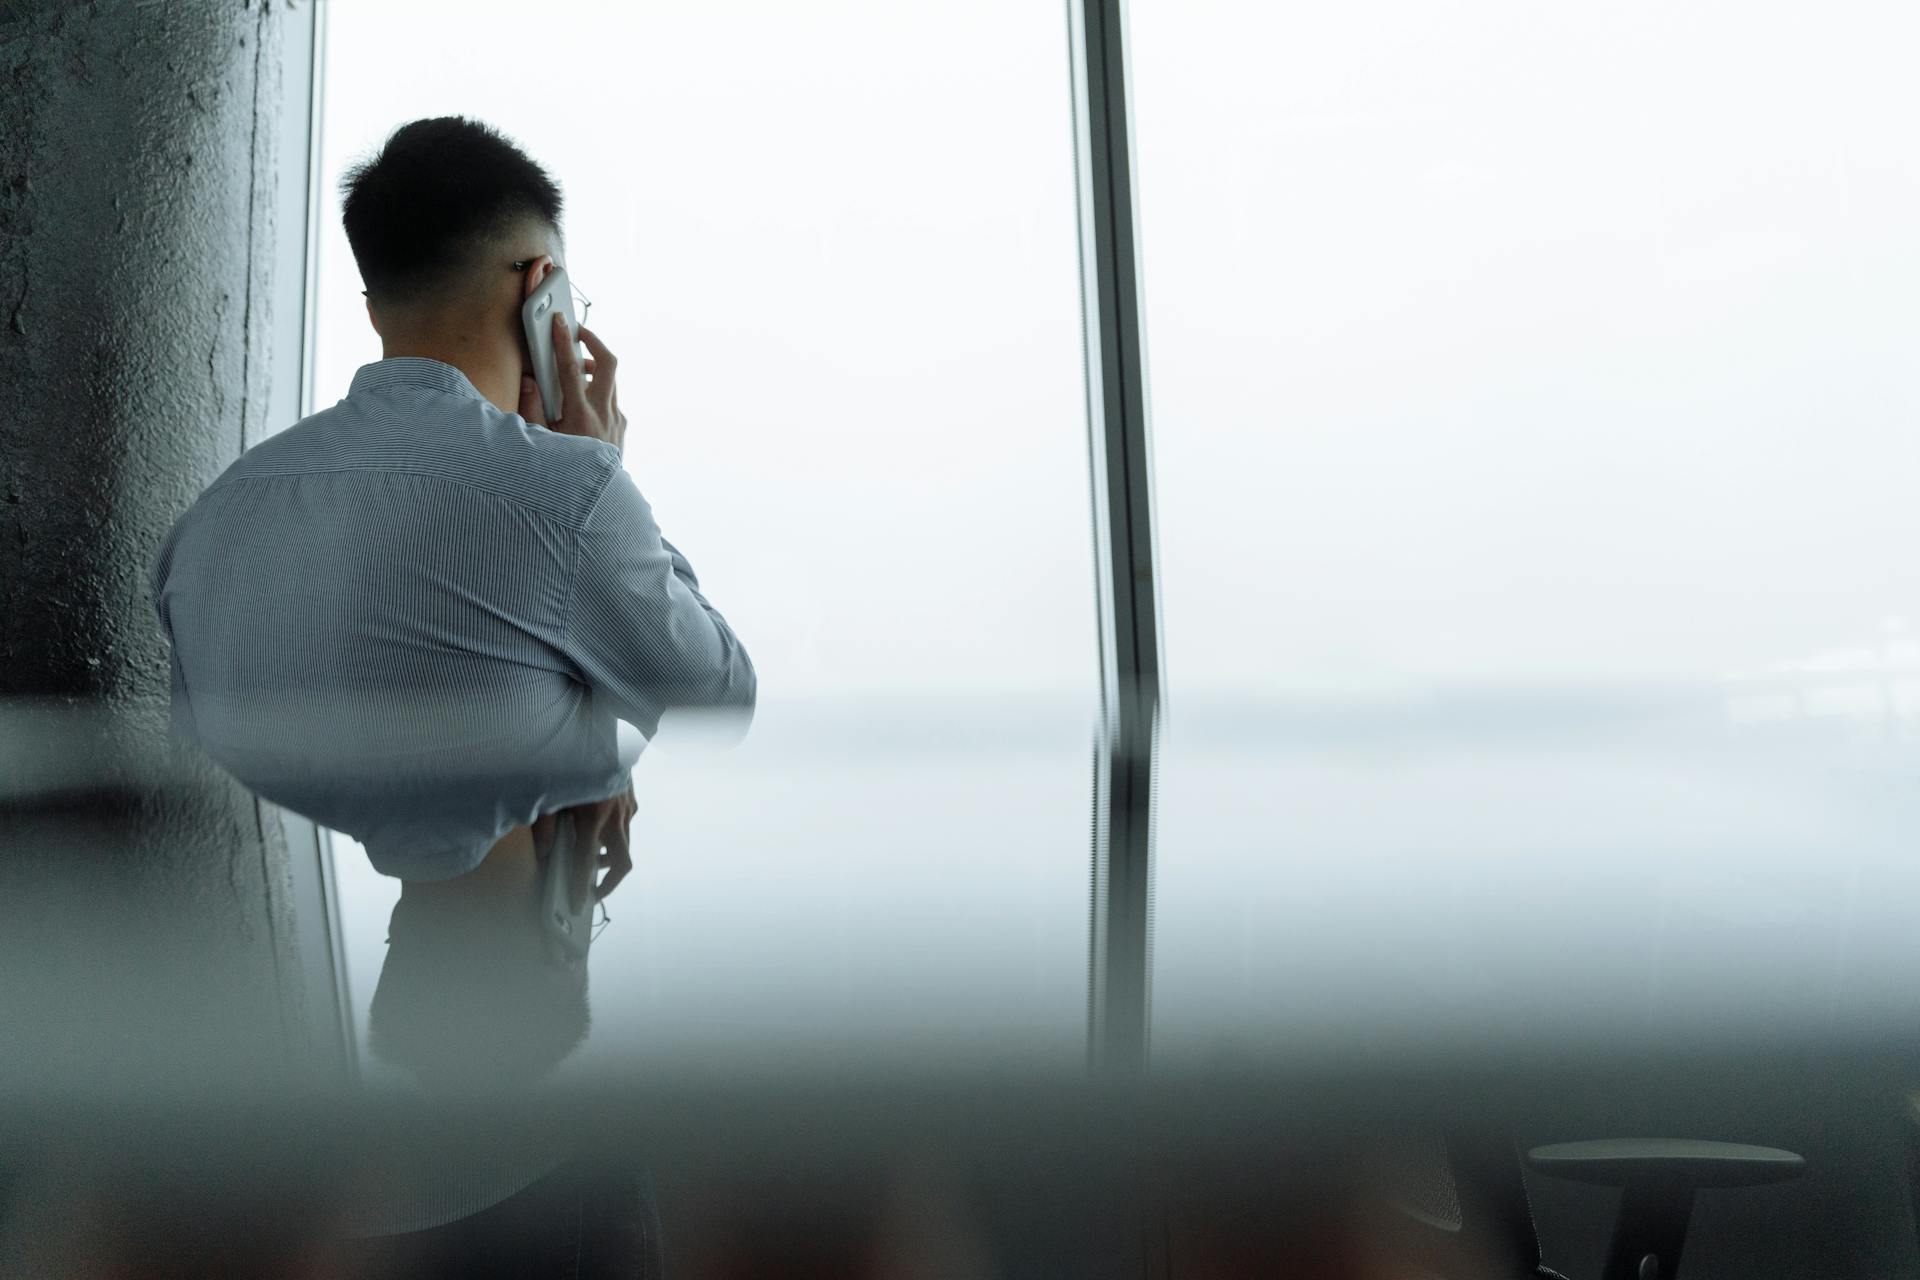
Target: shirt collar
412 371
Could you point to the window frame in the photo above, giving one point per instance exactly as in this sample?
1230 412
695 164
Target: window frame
1120 469
1119 476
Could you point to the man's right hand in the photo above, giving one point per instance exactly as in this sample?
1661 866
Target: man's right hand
601 829
586 408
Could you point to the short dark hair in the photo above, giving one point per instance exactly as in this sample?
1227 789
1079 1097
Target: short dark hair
434 192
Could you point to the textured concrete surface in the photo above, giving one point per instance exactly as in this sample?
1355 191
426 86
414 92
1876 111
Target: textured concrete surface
136 256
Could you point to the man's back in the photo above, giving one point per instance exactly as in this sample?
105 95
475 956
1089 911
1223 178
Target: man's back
415 618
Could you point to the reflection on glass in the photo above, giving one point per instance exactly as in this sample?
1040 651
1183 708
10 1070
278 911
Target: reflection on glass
480 997
843 283
472 995
1532 441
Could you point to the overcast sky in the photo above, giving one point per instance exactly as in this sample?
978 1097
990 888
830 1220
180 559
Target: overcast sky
1507 341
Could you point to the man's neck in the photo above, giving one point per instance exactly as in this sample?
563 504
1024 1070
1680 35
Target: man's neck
496 379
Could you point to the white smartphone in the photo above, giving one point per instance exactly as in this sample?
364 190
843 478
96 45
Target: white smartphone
568 931
536 318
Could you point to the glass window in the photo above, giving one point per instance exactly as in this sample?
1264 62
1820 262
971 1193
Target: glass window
1534 435
834 247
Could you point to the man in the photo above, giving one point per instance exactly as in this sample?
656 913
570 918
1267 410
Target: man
421 616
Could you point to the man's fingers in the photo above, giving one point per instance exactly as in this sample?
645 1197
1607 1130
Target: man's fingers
619 862
530 407
573 384
615 874
604 361
598 350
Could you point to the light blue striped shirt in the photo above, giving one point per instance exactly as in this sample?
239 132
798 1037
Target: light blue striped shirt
422 621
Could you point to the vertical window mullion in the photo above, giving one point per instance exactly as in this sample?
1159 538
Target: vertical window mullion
1122 878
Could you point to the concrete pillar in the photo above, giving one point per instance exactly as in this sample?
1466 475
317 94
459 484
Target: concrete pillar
143 894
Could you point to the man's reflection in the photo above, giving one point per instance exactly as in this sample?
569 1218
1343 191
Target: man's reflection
475 995
471 996
477 1001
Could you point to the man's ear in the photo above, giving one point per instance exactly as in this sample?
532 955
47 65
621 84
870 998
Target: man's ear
537 270
370 317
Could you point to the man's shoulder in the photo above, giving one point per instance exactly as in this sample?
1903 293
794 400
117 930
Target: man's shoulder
560 474
462 442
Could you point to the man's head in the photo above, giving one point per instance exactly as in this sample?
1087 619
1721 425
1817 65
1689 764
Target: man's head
437 218
441 207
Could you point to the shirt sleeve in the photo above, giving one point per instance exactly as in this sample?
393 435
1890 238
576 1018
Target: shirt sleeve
179 709
638 629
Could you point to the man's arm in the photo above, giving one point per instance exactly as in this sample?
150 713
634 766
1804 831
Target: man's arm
638 629
179 710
